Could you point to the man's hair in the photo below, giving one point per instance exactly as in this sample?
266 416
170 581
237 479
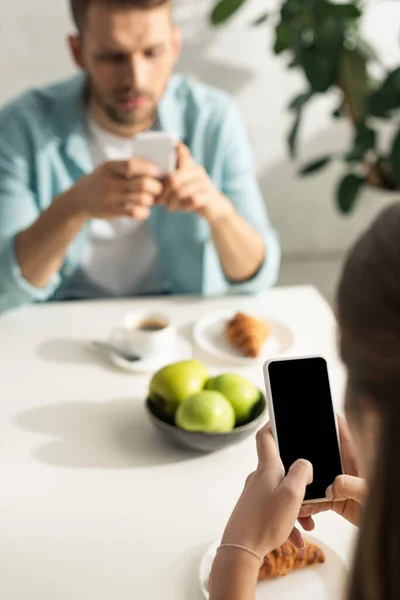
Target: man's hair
79 8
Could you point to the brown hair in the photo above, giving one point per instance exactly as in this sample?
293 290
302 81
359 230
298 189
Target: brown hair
369 320
79 7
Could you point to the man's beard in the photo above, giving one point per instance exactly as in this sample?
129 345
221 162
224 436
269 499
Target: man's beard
131 117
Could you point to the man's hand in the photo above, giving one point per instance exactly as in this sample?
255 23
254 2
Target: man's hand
190 189
117 189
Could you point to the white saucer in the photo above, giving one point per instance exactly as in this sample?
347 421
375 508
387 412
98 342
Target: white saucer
319 582
209 334
182 351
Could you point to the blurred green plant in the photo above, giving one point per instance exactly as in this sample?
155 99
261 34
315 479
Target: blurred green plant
322 39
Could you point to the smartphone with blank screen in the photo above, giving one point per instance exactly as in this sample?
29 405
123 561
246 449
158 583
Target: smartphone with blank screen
303 419
158 147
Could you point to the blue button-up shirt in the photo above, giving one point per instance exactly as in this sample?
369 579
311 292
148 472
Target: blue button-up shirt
44 150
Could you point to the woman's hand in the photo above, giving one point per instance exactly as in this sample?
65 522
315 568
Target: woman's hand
346 494
267 510
263 519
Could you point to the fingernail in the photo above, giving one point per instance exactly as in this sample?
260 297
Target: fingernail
329 493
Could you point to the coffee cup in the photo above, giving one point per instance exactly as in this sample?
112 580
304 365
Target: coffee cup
146 334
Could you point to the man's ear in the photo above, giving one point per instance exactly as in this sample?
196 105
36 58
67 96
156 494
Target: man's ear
177 43
75 46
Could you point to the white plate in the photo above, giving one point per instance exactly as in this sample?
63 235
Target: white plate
320 582
210 335
182 351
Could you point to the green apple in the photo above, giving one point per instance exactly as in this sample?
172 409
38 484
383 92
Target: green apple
240 392
207 411
176 382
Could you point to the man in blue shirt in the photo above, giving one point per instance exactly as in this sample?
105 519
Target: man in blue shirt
81 218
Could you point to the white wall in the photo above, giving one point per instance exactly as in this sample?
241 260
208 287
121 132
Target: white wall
237 58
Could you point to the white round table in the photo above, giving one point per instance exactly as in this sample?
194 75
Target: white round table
93 503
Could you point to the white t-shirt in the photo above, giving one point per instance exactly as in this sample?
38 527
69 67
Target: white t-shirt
120 258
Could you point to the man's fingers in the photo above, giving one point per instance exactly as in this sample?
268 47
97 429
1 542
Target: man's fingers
147 185
188 190
171 202
139 213
187 206
183 155
178 179
187 198
130 210
138 167
197 203
133 168
141 199
346 487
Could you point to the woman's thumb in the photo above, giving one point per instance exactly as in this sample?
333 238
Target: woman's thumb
346 487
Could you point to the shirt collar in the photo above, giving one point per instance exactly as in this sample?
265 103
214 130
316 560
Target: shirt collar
171 113
69 117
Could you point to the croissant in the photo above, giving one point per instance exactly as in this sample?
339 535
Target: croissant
288 558
247 333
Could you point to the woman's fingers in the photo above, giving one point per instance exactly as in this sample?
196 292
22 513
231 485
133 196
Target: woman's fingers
267 450
308 510
307 523
346 497
346 487
299 476
296 538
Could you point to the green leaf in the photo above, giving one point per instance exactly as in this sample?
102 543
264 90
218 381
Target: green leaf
261 20
345 11
292 137
364 140
321 71
224 10
348 192
387 98
281 38
299 101
315 165
395 157
321 59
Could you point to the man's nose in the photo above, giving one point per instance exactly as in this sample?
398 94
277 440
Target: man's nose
137 72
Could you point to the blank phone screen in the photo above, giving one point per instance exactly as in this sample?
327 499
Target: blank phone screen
305 419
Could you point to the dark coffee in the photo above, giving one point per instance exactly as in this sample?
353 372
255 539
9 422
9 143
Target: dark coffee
152 325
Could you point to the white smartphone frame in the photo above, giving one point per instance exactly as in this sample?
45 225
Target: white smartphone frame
271 409
158 147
